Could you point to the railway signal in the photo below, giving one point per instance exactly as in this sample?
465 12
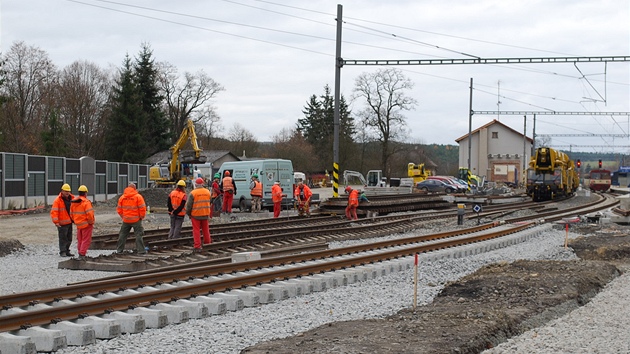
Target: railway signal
600 163
579 163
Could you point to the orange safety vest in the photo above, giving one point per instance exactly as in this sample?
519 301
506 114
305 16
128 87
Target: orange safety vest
303 193
353 198
201 202
82 212
59 214
228 184
257 190
276 193
177 195
131 206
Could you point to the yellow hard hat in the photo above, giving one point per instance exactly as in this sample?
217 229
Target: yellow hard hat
83 188
181 183
66 187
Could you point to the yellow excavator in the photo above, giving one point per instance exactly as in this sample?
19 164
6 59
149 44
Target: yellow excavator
417 172
181 164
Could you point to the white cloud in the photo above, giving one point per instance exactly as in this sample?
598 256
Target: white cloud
268 80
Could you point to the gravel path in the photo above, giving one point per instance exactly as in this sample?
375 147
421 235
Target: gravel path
599 327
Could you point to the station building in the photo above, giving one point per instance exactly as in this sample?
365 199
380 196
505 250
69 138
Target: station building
498 152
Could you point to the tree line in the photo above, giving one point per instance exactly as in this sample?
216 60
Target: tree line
129 113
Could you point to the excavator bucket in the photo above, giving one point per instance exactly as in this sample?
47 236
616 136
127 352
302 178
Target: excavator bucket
188 156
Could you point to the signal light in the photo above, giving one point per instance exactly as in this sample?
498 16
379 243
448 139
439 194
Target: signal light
600 163
579 163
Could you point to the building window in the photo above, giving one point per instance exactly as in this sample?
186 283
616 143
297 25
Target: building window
495 135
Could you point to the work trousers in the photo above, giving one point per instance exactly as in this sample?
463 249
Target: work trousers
277 207
138 230
84 239
227 201
351 212
216 206
65 238
256 204
199 227
176 227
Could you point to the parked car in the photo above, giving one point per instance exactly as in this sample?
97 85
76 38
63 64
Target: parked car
459 187
436 185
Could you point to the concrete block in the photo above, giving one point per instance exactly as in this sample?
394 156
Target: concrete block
280 292
175 314
319 283
129 323
250 298
303 286
232 302
103 328
46 340
245 256
265 296
76 333
152 318
292 289
11 343
214 306
195 309
350 276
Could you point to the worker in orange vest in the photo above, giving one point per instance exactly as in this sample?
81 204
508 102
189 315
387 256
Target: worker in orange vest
60 215
198 210
82 213
229 189
176 204
303 199
216 196
353 203
256 192
276 197
132 209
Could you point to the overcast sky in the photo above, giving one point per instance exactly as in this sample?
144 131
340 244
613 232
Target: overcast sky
272 57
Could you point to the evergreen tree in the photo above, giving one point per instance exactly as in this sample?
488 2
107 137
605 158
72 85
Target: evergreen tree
53 137
317 127
156 130
125 139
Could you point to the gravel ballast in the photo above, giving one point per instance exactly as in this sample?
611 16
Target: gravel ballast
36 268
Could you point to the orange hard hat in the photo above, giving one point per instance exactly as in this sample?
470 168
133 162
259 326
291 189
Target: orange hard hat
348 189
199 181
227 173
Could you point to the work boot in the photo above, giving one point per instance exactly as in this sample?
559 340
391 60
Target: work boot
63 254
68 254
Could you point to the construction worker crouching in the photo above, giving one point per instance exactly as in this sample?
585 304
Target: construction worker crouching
303 196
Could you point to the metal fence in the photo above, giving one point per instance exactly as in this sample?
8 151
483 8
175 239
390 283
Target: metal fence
27 181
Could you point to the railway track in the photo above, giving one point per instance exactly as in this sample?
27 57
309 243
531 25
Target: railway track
270 237
200 289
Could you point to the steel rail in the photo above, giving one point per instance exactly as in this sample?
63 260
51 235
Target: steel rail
72 311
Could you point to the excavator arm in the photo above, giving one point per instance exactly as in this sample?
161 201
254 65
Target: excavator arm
180 156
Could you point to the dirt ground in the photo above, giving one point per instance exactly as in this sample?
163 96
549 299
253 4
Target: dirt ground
470 315
478 311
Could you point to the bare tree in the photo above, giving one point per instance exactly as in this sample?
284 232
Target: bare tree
28 77
81 100
385 97
188 98
290 144
242 141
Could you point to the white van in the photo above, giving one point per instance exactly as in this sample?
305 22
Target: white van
268 172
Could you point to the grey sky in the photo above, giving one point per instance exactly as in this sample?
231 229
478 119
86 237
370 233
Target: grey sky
272 56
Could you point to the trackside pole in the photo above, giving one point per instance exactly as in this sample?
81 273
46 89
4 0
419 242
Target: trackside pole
415 281
566 236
